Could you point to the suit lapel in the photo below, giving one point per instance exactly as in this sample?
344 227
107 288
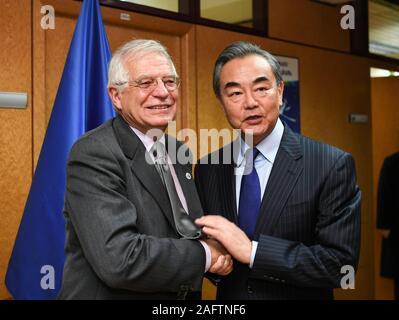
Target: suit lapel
190 193
283 177
184 175
146 173
227 186
149 177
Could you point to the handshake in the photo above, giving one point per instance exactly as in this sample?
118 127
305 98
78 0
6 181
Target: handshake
225 241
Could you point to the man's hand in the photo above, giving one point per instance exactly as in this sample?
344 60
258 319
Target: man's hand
229 235
221 262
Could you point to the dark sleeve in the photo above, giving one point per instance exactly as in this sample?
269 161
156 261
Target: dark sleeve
385 197
106 223
336 243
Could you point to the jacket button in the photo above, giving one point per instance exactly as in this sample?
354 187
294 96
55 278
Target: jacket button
250 290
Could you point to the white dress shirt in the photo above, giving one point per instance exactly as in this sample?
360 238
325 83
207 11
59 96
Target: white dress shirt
268 148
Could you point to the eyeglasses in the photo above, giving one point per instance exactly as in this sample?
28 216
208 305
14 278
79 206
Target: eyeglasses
237 94
149 84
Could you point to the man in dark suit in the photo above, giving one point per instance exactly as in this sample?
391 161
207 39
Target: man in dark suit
124 239
388 218
287 208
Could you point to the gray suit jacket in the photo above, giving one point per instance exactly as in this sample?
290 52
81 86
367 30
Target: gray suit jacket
308 226
121 242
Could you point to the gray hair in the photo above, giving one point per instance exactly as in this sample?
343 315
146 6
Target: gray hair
242 49
118 75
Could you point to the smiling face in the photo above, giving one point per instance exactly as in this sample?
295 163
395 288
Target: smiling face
250 96
147 108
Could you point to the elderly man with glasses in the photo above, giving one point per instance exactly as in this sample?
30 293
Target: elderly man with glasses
129 213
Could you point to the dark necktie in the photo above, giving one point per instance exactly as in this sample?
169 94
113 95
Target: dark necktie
183 222
250 197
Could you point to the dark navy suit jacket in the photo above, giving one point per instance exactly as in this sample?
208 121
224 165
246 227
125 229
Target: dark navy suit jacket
308 227
388 215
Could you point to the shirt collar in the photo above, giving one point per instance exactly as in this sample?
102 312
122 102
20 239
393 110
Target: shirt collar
147 140
268 147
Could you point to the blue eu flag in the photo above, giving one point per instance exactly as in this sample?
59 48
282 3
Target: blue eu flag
36 264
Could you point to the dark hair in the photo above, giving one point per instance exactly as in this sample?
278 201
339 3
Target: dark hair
241 49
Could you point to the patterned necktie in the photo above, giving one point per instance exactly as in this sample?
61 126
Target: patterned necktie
183 222
250 197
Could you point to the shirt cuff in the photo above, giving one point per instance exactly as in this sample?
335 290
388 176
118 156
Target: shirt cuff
253 253
207 254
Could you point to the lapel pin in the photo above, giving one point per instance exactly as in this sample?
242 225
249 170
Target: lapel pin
188 176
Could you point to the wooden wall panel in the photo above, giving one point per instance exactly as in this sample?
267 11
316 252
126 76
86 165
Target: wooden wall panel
385 137
15 124
331 86
308 22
